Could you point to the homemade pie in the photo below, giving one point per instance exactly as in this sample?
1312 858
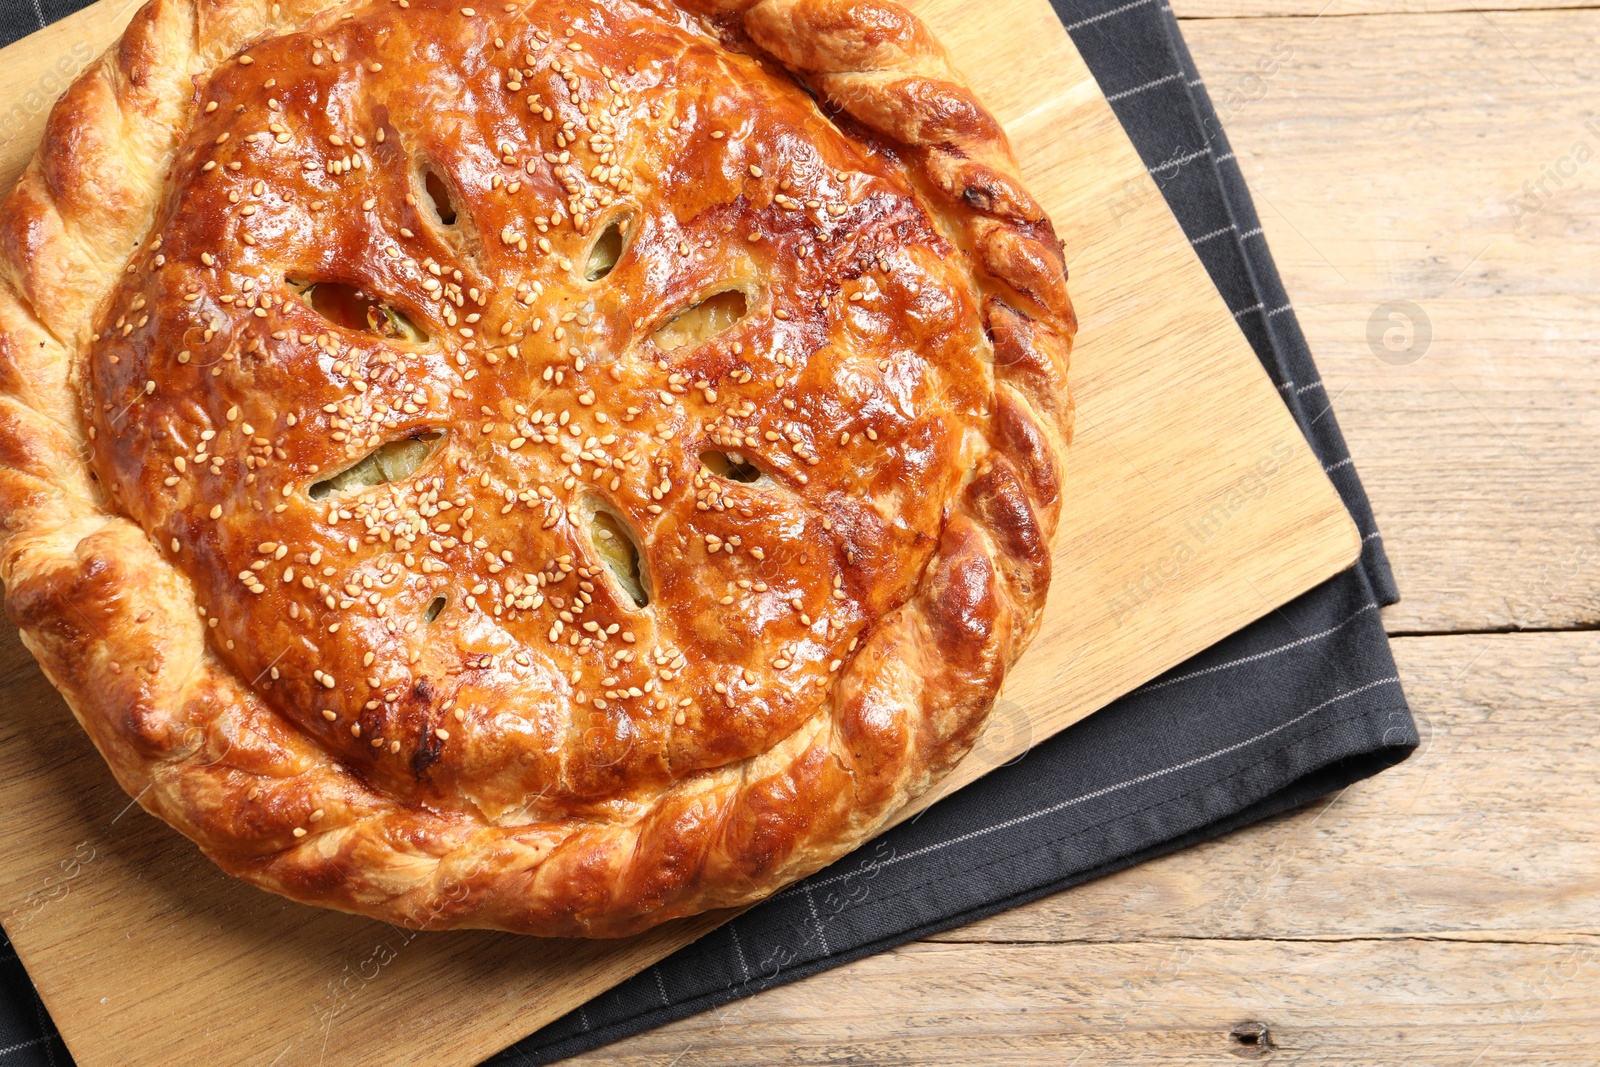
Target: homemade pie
554 466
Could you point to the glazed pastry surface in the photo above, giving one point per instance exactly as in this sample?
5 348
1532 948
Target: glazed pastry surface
555 467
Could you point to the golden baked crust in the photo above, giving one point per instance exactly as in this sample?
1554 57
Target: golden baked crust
263 242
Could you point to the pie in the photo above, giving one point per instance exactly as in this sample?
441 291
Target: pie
557 466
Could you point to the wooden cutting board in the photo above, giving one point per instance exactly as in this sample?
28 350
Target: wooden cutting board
1195 506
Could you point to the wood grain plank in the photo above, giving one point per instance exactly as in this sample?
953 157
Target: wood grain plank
1447 908
1387 155
1351 1004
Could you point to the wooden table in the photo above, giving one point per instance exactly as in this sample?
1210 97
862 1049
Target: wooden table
1447 912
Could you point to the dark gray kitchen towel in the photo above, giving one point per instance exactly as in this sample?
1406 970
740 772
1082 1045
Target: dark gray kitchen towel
1294 707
